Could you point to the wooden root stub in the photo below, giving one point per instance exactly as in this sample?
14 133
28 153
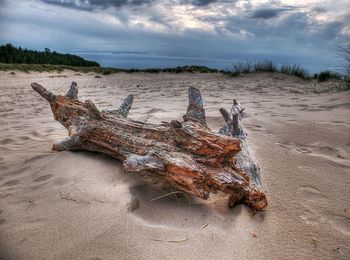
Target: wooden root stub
186 155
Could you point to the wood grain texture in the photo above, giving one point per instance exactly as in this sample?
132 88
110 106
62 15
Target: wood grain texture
186 155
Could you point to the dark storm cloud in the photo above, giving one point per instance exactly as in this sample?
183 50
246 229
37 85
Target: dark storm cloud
90 5
201 2
296 27
96 4
319 9
205 2
117 3
267 13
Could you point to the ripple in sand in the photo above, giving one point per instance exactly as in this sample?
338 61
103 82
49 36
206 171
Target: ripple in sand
43 178
11 183
320 149
316 210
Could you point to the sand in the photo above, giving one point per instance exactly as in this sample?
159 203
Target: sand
80 205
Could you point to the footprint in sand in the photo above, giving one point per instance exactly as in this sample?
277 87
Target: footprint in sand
320 149
316 210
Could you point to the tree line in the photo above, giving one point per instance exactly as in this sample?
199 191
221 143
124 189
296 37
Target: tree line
12 54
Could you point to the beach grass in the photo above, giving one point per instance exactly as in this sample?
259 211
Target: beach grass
340 81
268 66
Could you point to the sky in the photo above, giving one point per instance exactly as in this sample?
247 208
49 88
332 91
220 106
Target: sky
160 33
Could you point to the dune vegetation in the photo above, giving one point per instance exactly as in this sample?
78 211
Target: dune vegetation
18 59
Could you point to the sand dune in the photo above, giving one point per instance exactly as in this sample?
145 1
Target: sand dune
79 205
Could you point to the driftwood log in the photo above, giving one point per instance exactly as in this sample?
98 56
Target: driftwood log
186 155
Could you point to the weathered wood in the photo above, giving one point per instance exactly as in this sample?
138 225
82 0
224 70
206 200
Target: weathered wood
186 155
73 91
244 162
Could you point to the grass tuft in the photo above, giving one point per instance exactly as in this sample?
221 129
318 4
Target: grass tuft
268 66
265 66
295 70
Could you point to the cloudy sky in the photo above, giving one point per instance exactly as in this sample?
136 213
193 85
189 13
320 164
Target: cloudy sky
161 33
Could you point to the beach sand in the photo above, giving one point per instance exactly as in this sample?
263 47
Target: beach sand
80 205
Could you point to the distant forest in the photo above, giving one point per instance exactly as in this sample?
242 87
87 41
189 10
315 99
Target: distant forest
12 54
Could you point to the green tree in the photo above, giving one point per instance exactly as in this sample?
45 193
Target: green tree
12 54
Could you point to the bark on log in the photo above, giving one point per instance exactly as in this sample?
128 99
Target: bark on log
186 155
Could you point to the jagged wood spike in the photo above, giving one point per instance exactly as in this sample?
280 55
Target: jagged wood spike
225 114
195 111
126 105
95 113
49 96
123 109
237 116
73 91
235 124
237 109
232 119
